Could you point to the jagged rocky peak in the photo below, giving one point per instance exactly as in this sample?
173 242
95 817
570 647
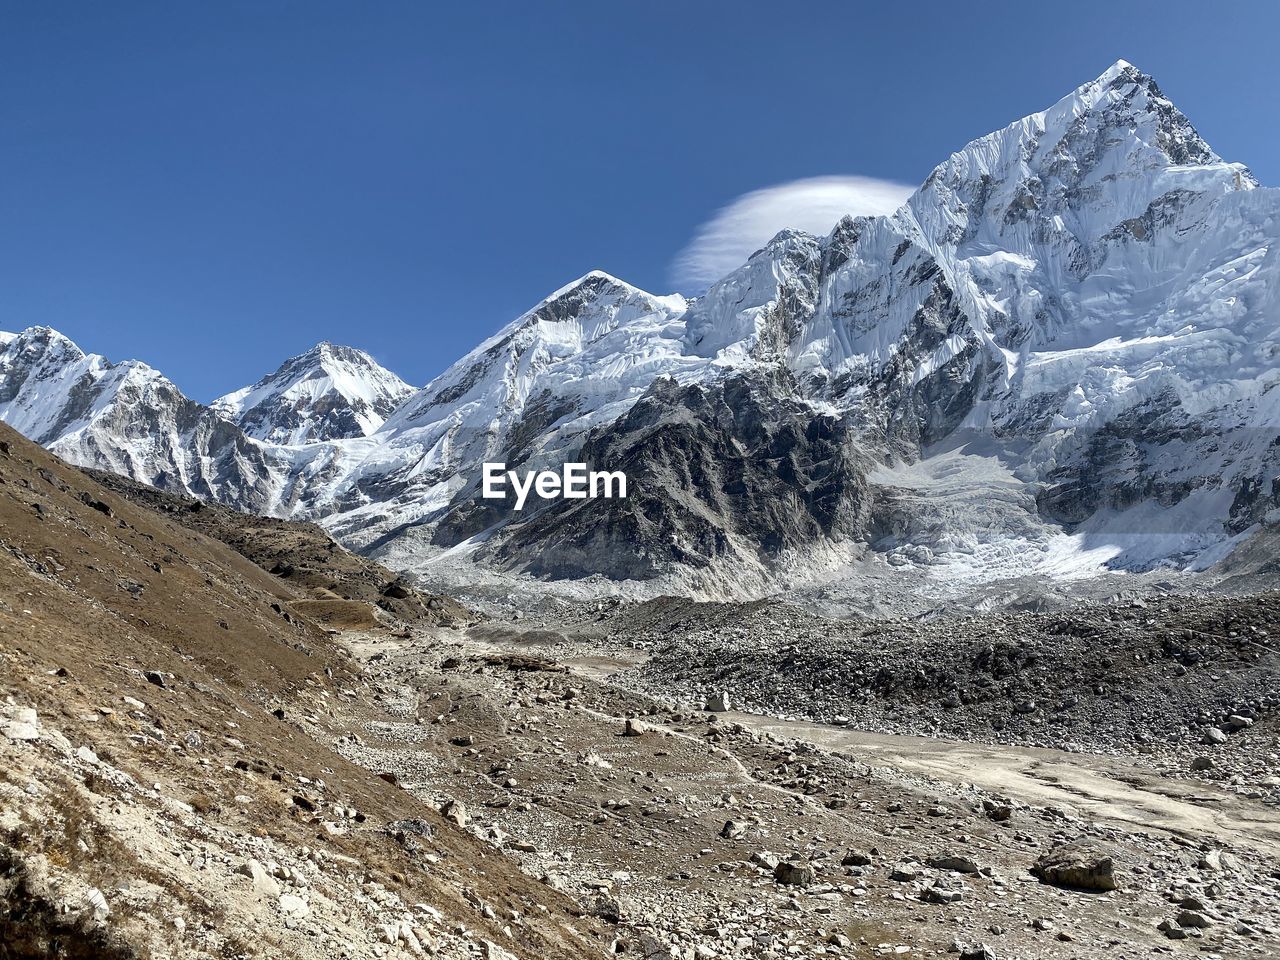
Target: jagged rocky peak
573 298
126 418
1100 155
49 386
1174 133
331 392
38 343
759 308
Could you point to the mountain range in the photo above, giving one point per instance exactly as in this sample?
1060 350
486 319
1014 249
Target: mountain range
1057 357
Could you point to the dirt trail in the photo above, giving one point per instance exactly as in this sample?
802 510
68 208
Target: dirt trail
1085 785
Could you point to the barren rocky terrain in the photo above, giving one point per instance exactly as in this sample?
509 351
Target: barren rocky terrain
159 794
226 737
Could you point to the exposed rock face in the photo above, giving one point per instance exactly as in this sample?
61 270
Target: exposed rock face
714 471
1069 329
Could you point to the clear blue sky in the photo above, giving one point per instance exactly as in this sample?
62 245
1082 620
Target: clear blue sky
212 187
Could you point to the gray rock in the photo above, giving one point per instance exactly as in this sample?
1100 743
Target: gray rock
936 894
1078 866
997 812
733 829
1219 861
95 904
795 873
454 812
1193 918
957 864
634 728
263 882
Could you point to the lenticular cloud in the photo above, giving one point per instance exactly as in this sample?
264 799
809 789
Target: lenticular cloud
749 222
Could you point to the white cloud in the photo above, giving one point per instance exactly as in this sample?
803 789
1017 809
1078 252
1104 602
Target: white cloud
814 205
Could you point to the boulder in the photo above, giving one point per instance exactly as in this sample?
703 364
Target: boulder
263 882
95 904
997 812
733 829
793 873
25 725
765 859
955 863
397 590
1077 866
1193 918
944 895
634 728
454 812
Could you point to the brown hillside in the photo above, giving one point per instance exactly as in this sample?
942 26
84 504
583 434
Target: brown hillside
181 703
300 554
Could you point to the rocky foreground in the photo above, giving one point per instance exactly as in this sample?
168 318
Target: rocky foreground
159 796
697 835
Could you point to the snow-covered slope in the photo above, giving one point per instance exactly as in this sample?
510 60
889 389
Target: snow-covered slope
1082 304
527 395
330 392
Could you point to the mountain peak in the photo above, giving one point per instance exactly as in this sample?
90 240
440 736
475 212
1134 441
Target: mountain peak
591 284
43 334
328 352
1124 96
330 392
1117 69
1095 158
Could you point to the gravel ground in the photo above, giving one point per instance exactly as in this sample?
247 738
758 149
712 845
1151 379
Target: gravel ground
674 835
1190 685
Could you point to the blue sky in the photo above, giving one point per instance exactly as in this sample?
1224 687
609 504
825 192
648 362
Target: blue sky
214 187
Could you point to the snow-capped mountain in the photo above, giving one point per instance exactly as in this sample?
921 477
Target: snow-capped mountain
330 392
1060 352
126 418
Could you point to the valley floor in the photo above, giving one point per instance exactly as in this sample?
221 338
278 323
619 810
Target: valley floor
906 845
662 842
